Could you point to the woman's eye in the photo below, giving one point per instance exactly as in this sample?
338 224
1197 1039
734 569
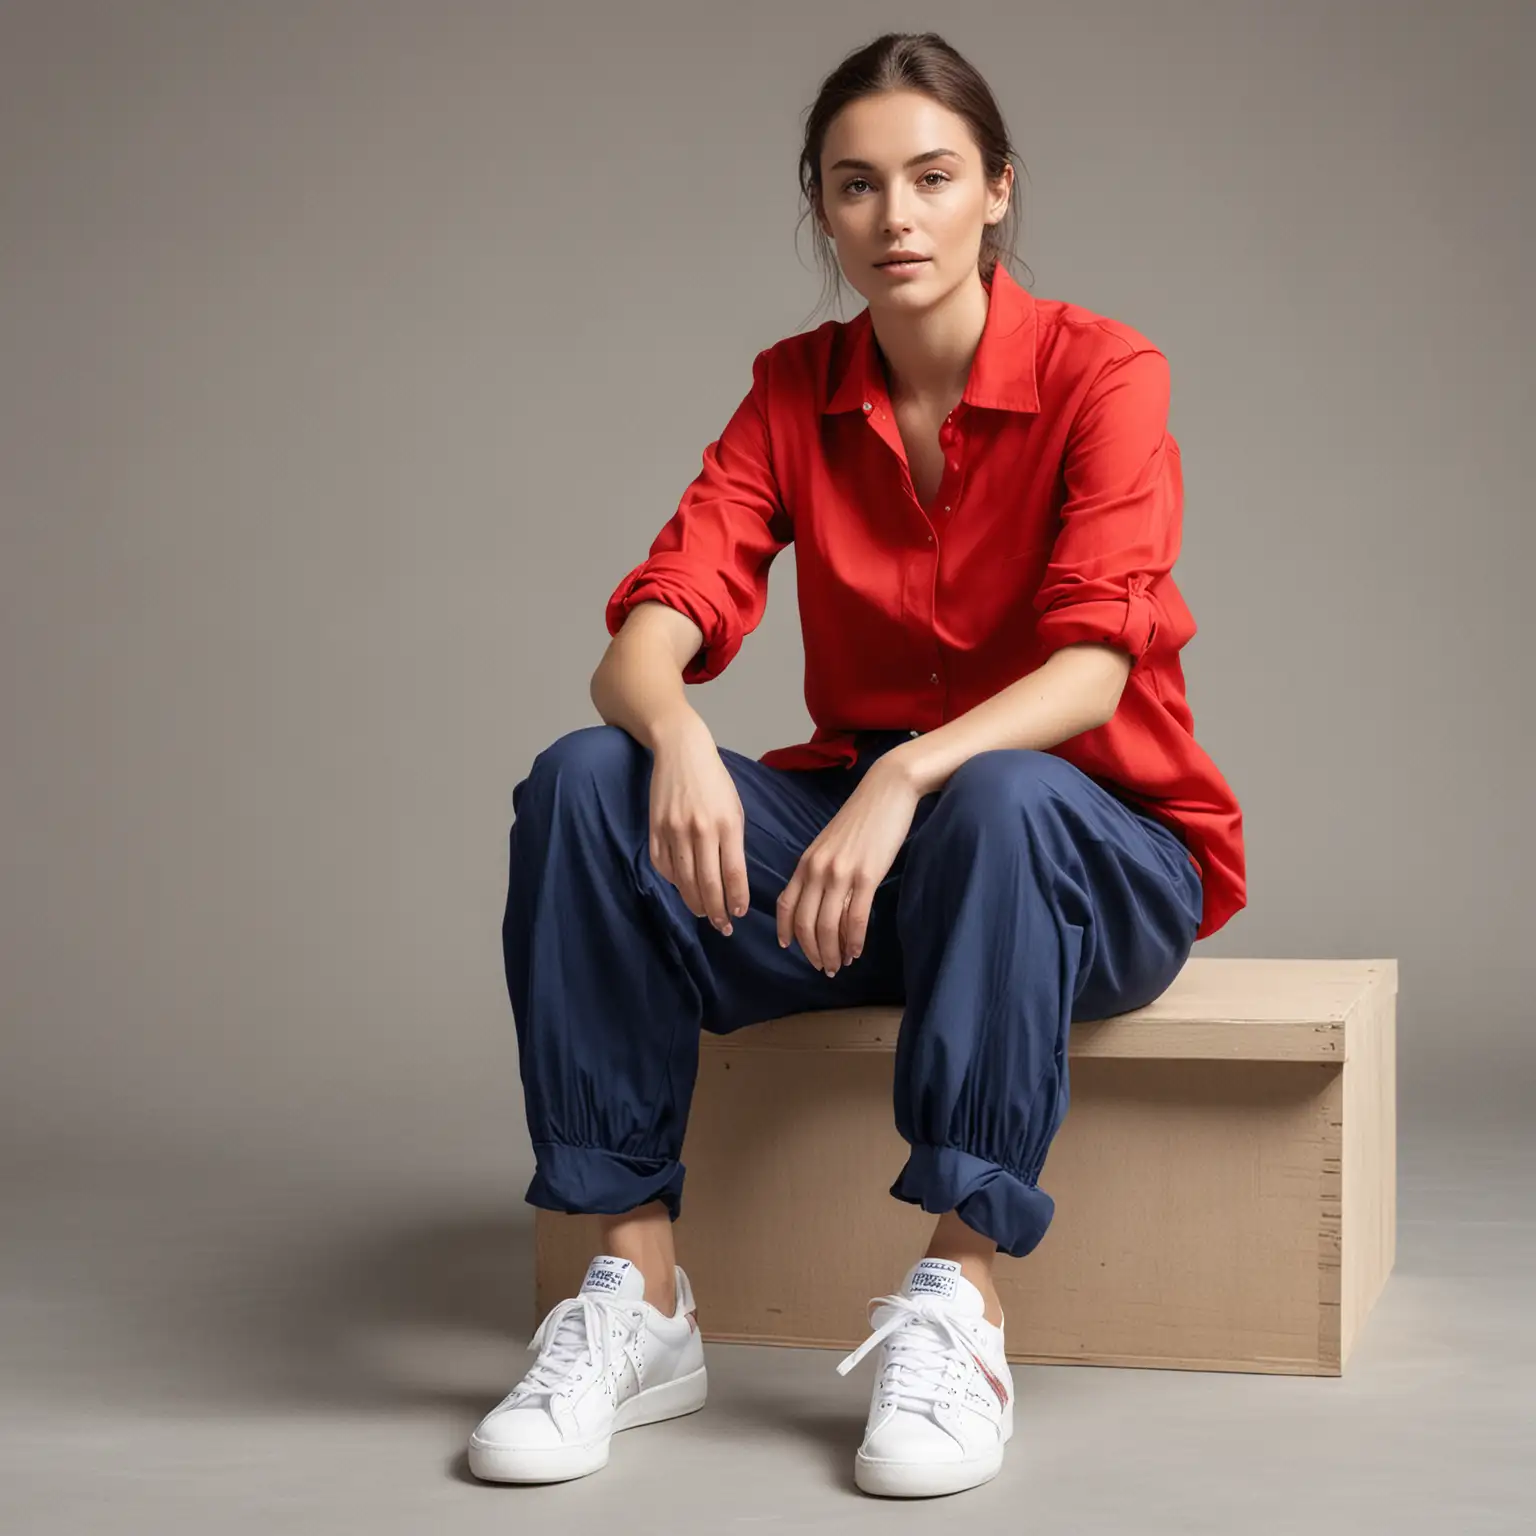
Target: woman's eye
859 181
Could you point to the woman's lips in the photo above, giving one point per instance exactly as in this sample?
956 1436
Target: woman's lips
900 267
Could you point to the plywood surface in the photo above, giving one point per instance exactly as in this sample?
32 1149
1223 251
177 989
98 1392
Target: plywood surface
1216 1009
1225 1180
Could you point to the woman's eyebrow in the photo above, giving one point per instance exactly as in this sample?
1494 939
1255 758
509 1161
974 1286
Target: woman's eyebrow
864 165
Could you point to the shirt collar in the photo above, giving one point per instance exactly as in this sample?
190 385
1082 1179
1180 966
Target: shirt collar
1002 374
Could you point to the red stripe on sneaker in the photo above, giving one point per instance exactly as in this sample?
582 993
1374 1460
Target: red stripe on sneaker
992 1381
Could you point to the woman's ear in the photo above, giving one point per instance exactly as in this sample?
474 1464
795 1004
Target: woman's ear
1003 186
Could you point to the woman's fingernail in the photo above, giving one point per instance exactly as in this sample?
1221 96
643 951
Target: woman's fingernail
726 930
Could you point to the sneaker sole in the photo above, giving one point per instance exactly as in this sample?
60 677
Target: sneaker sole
493 1463
921 1480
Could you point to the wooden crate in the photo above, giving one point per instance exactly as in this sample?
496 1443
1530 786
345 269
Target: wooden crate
1225 1179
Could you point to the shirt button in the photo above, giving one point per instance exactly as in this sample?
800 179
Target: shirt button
933 677
930 536
868 405
914 734
946 506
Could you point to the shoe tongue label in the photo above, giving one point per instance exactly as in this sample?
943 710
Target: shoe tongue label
606 1275
934 1277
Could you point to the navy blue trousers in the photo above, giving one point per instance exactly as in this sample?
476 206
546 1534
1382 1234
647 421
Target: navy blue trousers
1025 896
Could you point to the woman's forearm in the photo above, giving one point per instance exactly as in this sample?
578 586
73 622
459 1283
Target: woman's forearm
1077 689
638 685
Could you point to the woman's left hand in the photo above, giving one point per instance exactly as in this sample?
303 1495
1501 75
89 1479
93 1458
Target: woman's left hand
827 901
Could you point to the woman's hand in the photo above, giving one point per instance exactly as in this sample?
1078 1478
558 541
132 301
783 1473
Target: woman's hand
697 823
827 901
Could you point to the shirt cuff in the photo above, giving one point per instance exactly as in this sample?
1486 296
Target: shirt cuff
677 583
1129 622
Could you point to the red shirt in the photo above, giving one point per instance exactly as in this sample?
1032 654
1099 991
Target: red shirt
1058 519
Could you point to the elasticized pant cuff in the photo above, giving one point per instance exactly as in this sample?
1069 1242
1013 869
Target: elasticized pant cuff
584 1180
986 1196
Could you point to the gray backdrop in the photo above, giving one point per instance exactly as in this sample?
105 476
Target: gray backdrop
350 353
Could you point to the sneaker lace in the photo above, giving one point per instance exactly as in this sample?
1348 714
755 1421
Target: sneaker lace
575 1330
923 1338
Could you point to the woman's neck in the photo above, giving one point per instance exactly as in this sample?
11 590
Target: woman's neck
926 355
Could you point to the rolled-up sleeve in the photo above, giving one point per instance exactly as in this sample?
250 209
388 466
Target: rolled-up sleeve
1122 518
711 559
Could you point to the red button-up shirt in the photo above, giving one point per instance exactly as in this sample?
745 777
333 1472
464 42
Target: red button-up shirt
1057 520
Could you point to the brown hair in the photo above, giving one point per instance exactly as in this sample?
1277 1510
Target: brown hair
913 61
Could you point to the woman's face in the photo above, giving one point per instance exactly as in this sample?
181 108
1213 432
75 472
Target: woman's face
891 200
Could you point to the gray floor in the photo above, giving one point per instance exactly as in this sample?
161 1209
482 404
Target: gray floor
204 1345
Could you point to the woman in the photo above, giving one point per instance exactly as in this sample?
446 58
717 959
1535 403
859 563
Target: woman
1002 820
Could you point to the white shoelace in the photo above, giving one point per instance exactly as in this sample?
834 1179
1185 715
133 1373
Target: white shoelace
923 1338
579 1328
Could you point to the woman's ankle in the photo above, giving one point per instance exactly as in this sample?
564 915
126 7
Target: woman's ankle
975 1255
644 1237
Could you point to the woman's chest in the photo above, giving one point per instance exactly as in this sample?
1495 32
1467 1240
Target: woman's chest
922 434
867 492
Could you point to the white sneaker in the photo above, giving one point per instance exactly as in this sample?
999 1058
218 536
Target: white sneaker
942 1407
608 1360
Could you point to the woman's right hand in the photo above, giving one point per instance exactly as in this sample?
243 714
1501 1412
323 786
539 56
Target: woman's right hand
697 822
